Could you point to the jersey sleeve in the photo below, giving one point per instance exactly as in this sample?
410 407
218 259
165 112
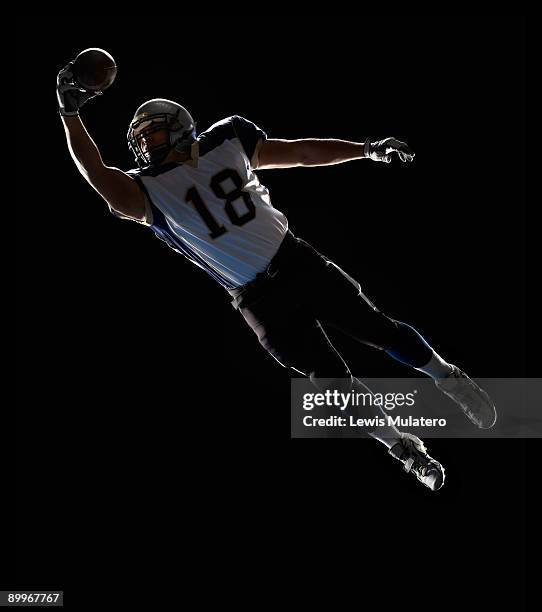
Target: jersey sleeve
232 128
248 133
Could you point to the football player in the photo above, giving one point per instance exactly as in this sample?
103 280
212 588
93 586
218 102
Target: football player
200 194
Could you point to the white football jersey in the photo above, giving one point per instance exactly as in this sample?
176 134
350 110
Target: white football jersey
213 209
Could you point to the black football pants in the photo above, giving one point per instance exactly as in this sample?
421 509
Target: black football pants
309 293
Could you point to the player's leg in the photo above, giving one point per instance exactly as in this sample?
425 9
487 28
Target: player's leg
406 448
318 369
283 321
302 345
344 307
299 342
336 299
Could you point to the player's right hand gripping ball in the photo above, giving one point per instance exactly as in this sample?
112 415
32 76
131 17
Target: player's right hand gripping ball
382 150
88 75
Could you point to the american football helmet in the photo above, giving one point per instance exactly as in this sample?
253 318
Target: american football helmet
155 115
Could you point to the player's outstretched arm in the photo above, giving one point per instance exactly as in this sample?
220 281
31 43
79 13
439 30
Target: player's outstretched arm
315 152
118 189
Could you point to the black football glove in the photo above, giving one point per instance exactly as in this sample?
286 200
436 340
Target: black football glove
382 150
71 96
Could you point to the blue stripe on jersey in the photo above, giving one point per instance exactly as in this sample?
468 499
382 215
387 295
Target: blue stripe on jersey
161 229
229 128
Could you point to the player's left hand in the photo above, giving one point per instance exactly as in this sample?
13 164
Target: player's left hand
382 150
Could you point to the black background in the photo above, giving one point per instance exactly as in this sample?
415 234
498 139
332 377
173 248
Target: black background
153 438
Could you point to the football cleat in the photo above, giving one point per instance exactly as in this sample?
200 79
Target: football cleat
410 450
473 400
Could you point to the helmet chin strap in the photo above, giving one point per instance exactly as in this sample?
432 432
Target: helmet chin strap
159 154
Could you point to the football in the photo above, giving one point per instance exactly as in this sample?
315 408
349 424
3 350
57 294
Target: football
94 69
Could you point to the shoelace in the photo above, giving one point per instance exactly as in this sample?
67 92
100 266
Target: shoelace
417 460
